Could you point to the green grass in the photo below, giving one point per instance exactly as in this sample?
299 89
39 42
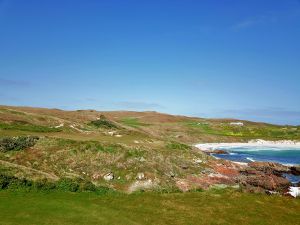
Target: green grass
135 153
212 207
12 112
80 146
21 126
177 146
133 122
17 143
246 131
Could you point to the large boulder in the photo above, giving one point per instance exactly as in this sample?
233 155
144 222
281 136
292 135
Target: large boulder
219 151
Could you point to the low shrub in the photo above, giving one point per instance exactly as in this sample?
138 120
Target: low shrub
12 182
87 186
135 153
64 184
44 185
103 122
17 143
98 147
178 146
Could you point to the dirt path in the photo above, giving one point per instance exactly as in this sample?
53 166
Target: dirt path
47 175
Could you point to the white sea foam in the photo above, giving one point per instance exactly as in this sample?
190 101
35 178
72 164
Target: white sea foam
294 191
232 153
250 159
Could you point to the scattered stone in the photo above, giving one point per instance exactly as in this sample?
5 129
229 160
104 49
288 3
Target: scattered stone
272 192
172 175
118 135
198 161
136 142
142 159
96 176
184 167
178 136
140 176
111 133
109 176
142 185
216 175
59 126
219 186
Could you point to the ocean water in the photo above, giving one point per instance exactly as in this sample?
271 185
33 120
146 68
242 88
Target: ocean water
251 154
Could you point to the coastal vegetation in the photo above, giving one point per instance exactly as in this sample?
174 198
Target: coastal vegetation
103 122
77 166
248 131
24 126
17 143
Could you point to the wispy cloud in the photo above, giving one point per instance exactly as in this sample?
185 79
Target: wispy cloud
9 82
138 105
267 18
258 20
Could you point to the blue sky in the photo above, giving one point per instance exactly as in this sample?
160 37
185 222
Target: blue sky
206 58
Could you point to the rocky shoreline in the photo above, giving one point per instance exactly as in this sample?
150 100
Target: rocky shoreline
258 177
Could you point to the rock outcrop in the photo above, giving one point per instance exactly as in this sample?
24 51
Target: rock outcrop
253 177
269 167
266 182
295 170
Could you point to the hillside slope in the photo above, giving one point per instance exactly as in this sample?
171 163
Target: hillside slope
122 150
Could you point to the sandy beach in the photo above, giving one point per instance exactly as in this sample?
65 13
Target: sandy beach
284 144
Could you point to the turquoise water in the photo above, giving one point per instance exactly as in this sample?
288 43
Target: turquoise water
247 154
